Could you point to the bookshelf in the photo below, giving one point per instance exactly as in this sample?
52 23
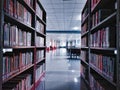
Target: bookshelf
85 42
22 41
100 44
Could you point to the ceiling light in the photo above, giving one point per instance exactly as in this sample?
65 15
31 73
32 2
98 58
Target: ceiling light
72 70
75 80
78 17
75 28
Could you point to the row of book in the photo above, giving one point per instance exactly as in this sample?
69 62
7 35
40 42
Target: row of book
100 15
94 84
13 36
39 71
84 14
105 65
39 27
104 38
84 72
94 3
22 82
39 41
39 54
39 11
84 42
26 59
16 62
29 2
84 28
84 55
17 10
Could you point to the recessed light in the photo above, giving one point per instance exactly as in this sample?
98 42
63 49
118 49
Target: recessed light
75 28
75 80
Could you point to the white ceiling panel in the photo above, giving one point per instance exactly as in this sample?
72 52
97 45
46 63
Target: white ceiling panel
60 6
69 6
55 1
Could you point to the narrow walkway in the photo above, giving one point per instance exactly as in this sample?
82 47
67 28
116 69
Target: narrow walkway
62 73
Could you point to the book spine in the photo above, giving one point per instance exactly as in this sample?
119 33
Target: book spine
6 31
20 83
14 36
39 11
39 41
94 84
105 65
104 38
39 55
14 63
39 72
84 42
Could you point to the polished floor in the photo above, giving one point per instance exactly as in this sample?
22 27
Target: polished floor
62 73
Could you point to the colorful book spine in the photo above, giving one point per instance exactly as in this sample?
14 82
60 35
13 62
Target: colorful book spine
104 64
13 36
16 62
104 38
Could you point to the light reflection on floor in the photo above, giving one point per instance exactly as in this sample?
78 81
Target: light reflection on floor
62 73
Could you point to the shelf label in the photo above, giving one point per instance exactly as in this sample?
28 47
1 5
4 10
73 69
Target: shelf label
7 50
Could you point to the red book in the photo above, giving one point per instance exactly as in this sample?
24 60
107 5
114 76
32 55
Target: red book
11 7
25 15
17 4
6 5
92 3
15 9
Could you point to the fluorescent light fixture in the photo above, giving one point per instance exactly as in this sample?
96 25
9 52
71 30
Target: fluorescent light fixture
75 28
73 71
78 17
75 80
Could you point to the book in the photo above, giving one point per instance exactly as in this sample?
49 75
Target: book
20 38
39 71
29 2
6 35
84 28
6 6
15 9
11 7
104 38
39 11
24 38
104 64
39 55
84 55
29 39
84 41
100 15
22 82
84 72
95 83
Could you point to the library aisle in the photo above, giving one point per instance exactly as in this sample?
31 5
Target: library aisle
62 73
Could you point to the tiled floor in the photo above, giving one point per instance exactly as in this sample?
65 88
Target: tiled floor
62 73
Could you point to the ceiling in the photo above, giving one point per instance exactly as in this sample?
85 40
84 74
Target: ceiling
63 15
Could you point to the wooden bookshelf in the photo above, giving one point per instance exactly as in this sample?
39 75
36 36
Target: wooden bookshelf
85 42
101 43
1 40
22 56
